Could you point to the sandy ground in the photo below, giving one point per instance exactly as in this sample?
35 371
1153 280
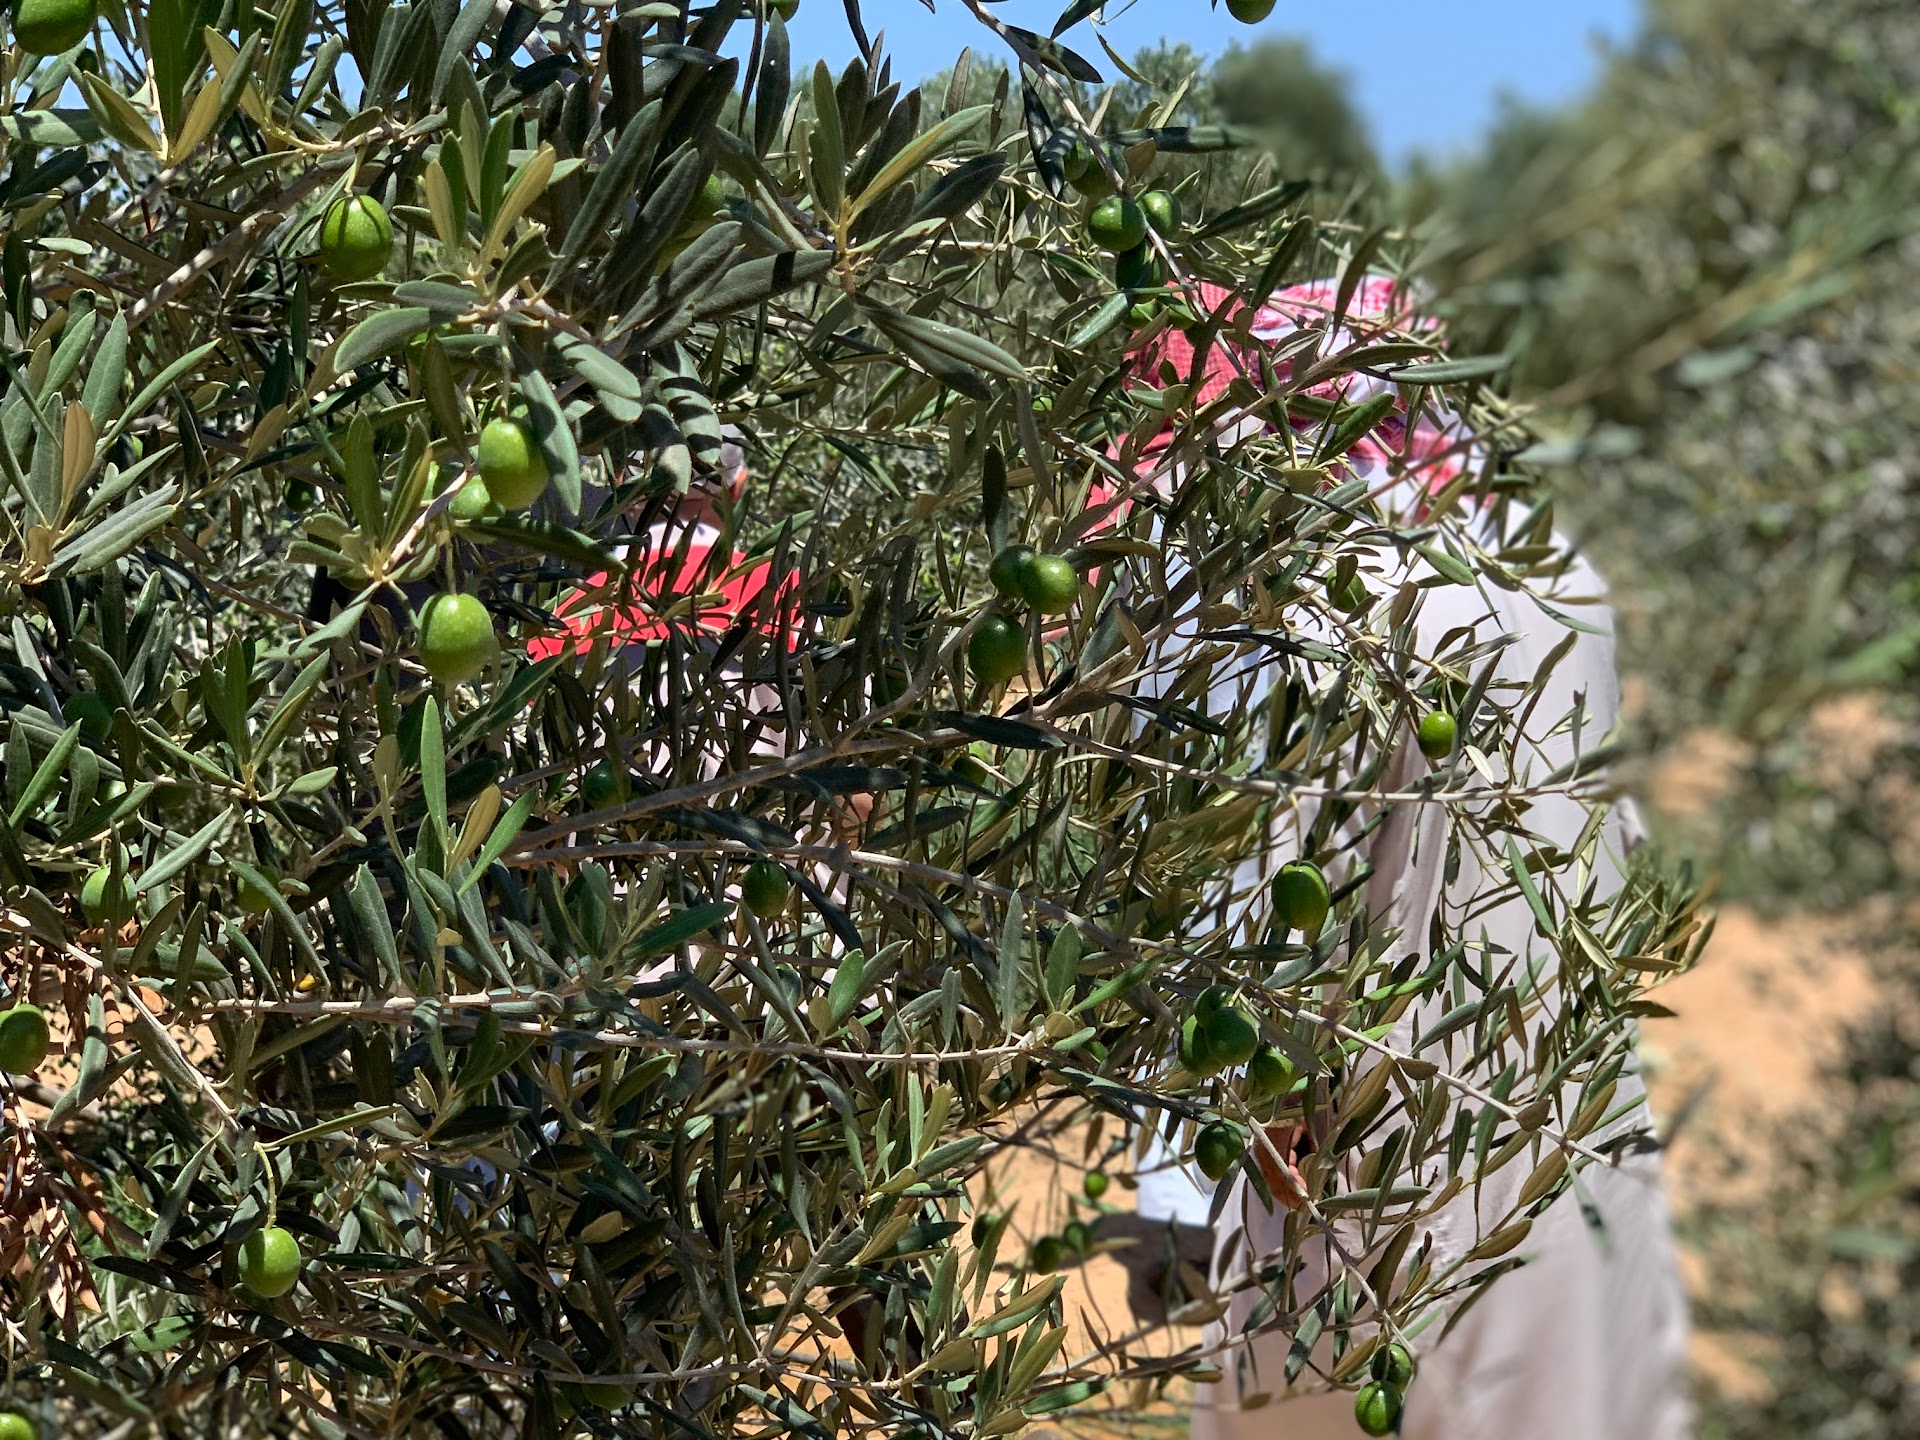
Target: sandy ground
1756 1019
1770 1000
1727 1067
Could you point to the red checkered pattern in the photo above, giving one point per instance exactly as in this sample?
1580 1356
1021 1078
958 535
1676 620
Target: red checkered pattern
677 562
684 558
1379 304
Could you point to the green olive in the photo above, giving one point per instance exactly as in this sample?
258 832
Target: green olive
1349 595
602 785
1439 733
1048 583
1218 1148
997 651
356 238
105 899
764 888
1117 224
1007 568
23 1039
1214 997
510 464
1195 1054
92 711
1376 1409
1232 1036
270 1262
1392 1364
1301 899
1162 209
456 638
1270 1073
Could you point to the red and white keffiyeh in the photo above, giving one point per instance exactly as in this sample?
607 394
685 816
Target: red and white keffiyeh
688 580
1428 445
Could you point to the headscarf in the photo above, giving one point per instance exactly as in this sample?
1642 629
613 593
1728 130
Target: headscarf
685 579
1428 444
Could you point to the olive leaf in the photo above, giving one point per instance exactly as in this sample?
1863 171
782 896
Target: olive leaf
379 333
117 115
915 154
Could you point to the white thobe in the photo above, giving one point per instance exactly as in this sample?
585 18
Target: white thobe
1587 1340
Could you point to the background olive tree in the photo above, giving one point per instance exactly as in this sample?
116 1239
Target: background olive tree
1703 273
415 1061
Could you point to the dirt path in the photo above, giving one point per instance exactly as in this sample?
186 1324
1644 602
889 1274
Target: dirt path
1757 1019
1771 999
1759 1016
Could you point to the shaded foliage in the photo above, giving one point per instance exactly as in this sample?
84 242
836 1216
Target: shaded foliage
1299 111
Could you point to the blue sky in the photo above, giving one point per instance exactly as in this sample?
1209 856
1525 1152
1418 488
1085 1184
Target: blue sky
1428 74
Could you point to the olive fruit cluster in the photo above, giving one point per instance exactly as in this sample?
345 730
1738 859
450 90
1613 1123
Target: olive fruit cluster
1050 1252
1116 220
1047 584
1217 1033
1378 1405
1121 223
510 470
509 473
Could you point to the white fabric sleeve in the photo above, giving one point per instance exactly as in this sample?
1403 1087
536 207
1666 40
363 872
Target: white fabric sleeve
1170 1187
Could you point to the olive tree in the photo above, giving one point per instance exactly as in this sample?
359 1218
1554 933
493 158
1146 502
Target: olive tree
429 1012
